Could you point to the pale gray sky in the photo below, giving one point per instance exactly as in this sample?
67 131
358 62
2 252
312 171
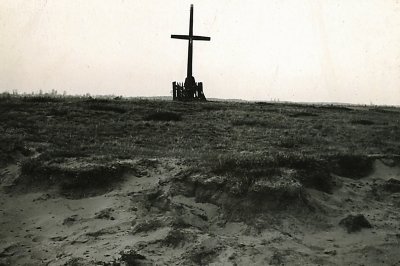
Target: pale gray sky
293 50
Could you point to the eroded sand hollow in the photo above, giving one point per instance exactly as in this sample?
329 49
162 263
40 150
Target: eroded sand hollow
164 214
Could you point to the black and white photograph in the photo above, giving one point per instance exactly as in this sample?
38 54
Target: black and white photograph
150 132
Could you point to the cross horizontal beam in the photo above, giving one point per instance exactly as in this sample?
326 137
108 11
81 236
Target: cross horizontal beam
188 37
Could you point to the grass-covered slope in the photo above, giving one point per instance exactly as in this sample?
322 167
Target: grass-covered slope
245 140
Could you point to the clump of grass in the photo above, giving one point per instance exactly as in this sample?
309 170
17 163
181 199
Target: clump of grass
163 116
71 174
354 166
362 122
246 170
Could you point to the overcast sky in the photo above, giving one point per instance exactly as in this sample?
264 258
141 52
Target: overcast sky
291 50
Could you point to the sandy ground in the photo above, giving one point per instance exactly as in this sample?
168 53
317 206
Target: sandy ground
145 220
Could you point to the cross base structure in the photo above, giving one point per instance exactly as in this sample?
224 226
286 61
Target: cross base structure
188 91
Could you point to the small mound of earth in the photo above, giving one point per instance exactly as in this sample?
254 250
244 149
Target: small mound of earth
354 223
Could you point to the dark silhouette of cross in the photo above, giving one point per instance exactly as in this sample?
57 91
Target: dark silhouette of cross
190 81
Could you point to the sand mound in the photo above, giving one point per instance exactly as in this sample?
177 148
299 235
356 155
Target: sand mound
231 192
76 177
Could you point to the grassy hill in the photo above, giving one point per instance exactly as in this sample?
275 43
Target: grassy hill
245 159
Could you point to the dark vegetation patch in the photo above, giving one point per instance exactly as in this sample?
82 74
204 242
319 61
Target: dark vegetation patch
362 122
105 214
265 103
310 171
146 226
384 110
335 108
107 108
175 238
392 185
259 122
354 223
354 166
99 100
75 177
292 142
42 99
251 123
11 148
58 111
202 254
163 116
209 106
7 105
76 262
133 258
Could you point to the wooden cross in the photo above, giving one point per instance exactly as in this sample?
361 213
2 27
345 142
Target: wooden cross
189 78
